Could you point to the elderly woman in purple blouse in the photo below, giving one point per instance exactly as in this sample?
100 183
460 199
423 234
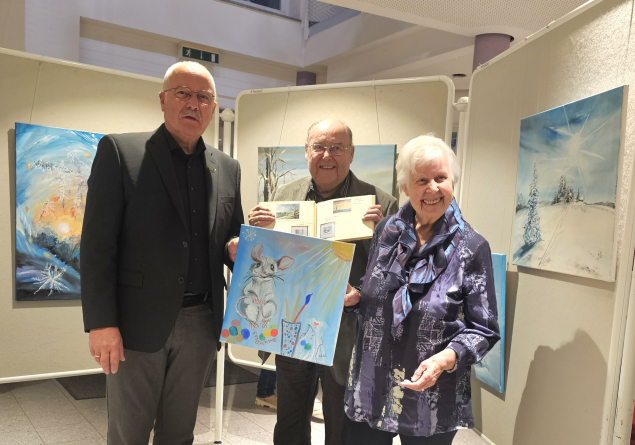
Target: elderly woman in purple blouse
427 310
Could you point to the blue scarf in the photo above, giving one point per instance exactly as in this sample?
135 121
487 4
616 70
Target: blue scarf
397 245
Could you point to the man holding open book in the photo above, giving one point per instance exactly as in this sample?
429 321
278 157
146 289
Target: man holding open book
329 153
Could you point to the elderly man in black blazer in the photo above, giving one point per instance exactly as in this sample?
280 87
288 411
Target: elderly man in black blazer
329 152
163 212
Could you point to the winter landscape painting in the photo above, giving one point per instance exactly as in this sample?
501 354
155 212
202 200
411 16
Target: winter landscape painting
52 167
567 185
287 293
374 164
491 370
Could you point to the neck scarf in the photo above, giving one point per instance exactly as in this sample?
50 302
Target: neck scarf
397 245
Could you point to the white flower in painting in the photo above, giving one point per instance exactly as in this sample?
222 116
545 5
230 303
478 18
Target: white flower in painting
250 234
51 279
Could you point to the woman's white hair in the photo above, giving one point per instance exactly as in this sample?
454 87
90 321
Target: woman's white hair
189 66
420 151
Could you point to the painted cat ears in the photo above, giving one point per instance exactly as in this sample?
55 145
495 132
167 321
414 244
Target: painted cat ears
256 251
283 263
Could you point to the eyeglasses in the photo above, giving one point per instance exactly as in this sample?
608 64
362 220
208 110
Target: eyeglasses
204 97
334 150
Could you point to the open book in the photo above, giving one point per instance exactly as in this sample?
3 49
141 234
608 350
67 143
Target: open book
336 219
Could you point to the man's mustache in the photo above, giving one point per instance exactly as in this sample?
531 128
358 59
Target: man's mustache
195 114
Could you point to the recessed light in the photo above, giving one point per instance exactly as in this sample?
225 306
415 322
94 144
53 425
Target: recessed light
459 75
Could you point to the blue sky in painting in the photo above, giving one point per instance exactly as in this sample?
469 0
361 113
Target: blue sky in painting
371 163
580 140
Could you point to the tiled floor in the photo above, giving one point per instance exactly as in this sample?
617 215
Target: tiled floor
42 412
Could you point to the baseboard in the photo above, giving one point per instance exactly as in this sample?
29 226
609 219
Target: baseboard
484 437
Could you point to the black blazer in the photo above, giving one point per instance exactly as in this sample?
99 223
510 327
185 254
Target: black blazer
134 257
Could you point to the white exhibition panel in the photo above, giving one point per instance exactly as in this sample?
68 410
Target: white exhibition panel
565 333
378 112
43 339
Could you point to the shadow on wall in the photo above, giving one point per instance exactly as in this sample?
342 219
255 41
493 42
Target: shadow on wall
563 397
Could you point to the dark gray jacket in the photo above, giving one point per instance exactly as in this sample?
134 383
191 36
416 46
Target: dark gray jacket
134 249
297 191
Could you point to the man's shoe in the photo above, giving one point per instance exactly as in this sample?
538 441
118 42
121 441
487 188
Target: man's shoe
268 402
317 410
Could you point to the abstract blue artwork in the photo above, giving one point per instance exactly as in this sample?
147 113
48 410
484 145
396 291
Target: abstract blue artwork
566 188
491 370
374 164
52 167
287 293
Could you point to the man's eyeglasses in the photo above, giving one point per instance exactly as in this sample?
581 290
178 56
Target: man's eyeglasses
204 97
334 150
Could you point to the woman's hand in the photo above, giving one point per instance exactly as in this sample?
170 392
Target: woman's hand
352 296
429 370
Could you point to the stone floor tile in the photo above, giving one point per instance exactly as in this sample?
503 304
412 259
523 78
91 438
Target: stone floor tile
14 423
68 433
35 390
67 415
27 437
34 406
99 441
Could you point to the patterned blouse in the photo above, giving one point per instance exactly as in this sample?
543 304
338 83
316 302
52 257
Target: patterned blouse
455 309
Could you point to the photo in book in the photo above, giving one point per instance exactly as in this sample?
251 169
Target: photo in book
567 185
287 293
52 166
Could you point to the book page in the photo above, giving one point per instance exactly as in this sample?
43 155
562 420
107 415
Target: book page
297 217
341 219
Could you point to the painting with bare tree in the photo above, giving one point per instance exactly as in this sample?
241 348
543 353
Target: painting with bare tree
52 167
374 164
566 188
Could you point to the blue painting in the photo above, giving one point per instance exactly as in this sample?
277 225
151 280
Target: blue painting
491 370
287 293
374 164
567 185
52 167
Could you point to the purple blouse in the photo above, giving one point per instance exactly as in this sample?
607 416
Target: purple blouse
452 304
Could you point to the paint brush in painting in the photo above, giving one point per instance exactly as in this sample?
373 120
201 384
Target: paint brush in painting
286 306
297 302
308 298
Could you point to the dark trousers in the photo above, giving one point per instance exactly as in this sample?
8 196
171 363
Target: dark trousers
297 388
162 389
266 384
354 433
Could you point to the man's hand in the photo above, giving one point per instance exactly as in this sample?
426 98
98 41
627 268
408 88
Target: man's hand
232 247
429 370
352 296
260 217
106 347
373 214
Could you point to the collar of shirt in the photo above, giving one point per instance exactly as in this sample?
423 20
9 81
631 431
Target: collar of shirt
341 192
200 145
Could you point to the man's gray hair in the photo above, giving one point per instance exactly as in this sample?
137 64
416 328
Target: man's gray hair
346 127
421 150
190 66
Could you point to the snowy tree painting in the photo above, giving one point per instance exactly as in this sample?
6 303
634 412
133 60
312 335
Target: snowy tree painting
568 168
52 167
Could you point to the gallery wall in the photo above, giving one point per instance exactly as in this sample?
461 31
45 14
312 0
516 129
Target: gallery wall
382 112
46 337
564 333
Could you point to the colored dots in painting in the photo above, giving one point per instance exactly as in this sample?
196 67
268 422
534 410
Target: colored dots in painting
239 338
273 326
236 323
233 330
87 155
47 255
307 347
29 166
261 337
267 333
245 333
231 340
224 333
303 343
274 332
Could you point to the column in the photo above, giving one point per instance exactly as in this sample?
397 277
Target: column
488 46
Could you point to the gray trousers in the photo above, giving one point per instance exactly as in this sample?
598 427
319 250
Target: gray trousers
162 389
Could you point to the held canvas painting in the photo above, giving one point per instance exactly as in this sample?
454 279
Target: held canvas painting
374 164
567 185
52 167
491 370
287 293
